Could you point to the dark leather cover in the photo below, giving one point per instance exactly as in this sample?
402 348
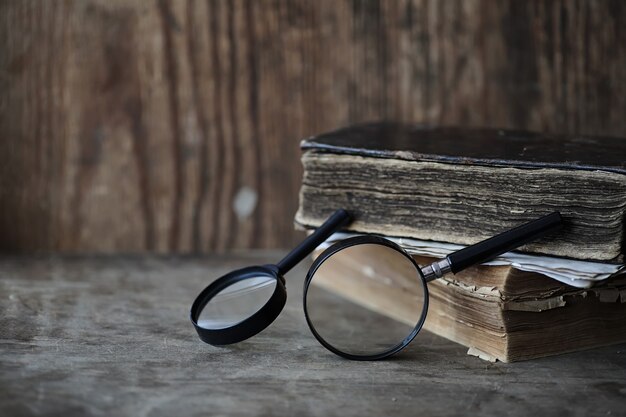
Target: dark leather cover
475 146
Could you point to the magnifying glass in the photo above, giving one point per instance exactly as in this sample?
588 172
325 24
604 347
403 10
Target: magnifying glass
383 297
242 303
365 298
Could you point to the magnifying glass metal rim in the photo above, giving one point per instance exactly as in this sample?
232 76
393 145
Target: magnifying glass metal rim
353 241
249 326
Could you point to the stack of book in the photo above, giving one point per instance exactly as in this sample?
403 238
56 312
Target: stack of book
434 190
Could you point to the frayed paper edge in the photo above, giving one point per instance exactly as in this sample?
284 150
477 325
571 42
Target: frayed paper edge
472 351
536 306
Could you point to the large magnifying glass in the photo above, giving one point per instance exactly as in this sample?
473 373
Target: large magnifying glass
365 298
244 302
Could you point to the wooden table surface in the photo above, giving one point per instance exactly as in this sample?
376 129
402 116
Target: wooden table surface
111 336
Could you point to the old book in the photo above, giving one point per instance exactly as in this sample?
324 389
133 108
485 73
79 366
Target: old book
463 185
498 312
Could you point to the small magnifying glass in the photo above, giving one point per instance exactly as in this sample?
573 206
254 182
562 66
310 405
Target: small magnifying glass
365 298
242 303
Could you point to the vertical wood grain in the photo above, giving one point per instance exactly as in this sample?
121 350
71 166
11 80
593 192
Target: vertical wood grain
174 125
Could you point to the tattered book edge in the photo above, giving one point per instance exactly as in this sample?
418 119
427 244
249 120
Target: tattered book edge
472 351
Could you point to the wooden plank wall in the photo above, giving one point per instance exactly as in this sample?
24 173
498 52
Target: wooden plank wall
173 126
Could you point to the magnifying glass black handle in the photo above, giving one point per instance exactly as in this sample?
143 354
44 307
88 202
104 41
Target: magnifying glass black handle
488 249
308 245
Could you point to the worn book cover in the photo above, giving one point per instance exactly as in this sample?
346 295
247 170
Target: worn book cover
463 185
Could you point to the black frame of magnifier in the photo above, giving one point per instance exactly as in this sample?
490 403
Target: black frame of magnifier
270 311
360 240
253 324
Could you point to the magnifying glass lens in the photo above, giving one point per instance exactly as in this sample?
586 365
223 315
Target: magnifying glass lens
237 302
366 300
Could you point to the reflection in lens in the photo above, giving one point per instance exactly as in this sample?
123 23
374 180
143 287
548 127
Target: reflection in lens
365 299
237 302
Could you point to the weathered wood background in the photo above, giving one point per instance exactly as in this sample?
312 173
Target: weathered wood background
173 126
